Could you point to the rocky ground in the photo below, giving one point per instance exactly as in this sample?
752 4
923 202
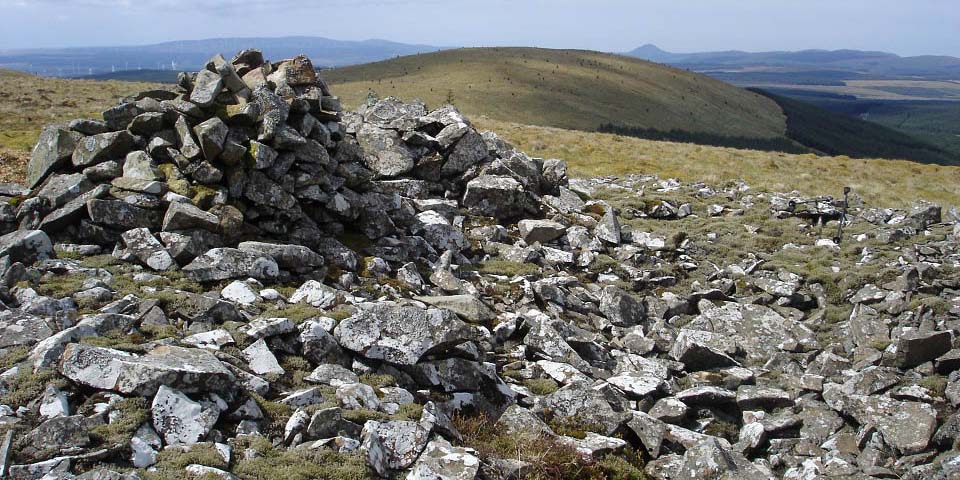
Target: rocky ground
239 280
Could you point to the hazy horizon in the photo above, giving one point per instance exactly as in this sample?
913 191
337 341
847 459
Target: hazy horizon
924 27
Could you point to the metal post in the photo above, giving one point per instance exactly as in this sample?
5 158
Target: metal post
843 216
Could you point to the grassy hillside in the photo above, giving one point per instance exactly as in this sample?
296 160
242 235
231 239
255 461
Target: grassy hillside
27 102
591 91
879 182
837 134
566 88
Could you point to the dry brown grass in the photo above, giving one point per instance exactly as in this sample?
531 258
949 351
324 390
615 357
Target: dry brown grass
888 183
13 165
28 102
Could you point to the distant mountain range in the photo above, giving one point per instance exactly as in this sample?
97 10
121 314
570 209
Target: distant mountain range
863 63
192 54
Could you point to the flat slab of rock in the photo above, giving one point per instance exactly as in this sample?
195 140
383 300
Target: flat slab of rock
540 230
468 307
316 294
906 426
761 331
99 148
261 360
229 263
402 441
184 216
703 350
916 347
19 328
120 215
190 370
442 461
400 334
579 402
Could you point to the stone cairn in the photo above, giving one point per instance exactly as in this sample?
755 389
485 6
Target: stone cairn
251 151
198 225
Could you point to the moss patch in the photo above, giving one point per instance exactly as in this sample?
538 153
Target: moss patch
298 464
132 412
28 386
549 459
541 386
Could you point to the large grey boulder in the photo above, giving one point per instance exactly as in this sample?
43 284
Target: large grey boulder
439 232
546 341
22 329
120 215
469 151
64 435
384 152
402 441
468 307
190 370
608 228
500 197
263 191
54 147
401 335
273 109
450 375
703 350
262 156
579 402
915 347
317 294
261 360
188 145
229 263
73 211
621 308
140 166
179 419
206 87
211 134
26 246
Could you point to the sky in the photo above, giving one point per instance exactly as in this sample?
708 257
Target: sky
906 27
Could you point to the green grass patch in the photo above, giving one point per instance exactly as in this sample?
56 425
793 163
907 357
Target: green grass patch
27 386
541 386
504 268
272 463
131 414
549 459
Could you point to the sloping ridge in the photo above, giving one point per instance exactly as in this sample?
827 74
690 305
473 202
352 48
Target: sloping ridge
573 89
